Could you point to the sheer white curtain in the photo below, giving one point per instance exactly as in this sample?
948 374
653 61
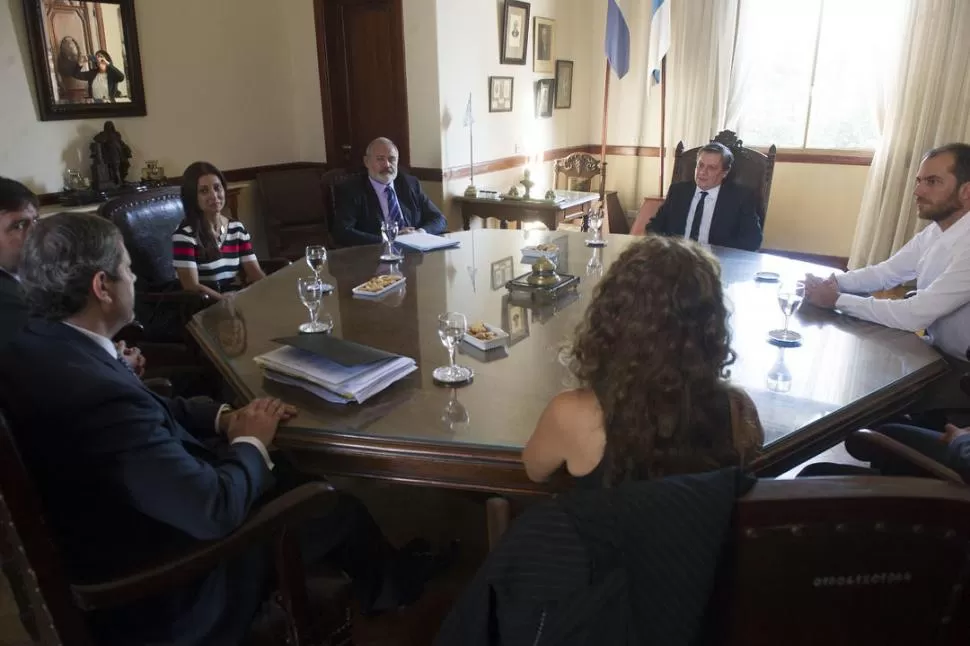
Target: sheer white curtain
929 106
699 69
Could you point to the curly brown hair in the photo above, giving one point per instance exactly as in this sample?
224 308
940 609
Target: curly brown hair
654 348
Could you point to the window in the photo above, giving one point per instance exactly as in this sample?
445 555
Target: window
813 73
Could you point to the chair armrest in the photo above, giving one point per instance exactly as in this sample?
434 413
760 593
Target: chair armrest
910 455
159 385
272 265
293 507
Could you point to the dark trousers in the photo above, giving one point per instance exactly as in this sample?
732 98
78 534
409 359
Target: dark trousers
926 441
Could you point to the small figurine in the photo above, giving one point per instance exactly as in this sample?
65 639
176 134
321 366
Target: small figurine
527 183
550 194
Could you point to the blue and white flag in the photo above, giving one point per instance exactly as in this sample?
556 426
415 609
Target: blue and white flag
659 37
617 38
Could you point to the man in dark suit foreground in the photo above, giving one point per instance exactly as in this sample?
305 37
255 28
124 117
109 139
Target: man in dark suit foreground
127 477
18 210
708 210
363 202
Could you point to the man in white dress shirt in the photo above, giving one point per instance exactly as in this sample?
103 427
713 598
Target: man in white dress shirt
938 258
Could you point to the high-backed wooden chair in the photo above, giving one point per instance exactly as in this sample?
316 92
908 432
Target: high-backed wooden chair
297 207
57 607
752 169
847 560
584 172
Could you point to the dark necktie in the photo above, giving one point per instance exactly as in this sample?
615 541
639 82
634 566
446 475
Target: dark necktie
695 226
394 213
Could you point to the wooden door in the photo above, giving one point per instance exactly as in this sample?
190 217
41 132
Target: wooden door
360 49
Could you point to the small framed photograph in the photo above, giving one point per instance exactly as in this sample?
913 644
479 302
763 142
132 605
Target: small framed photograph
515 320
564 84
544 52
544 92
500 93
502 273
515 33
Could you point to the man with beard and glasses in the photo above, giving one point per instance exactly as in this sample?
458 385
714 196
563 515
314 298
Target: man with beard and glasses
938 257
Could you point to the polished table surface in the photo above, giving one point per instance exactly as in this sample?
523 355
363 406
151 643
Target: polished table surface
847 373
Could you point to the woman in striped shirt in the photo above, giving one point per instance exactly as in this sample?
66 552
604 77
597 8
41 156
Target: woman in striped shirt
212 255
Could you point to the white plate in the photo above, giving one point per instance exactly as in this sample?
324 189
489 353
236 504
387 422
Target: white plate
499 340
533 252
365 294
767 277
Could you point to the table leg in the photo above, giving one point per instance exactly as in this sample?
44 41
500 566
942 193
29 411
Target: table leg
466 219
552 220
498 515
503 224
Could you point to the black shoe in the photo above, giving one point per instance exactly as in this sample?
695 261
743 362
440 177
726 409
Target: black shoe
414 565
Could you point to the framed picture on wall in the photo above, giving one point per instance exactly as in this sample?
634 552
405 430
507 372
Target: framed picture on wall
500 93
544 50
544 92
515 33
85 58
564 84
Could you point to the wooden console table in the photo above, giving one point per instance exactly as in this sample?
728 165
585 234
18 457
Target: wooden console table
549 213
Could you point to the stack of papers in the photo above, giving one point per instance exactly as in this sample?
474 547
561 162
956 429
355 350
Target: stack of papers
336 370
425 241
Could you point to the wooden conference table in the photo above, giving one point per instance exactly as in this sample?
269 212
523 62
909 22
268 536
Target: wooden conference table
846 374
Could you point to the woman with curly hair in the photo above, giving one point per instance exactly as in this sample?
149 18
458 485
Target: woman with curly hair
651 359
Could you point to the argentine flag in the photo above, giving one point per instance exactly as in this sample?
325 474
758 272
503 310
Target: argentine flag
618 37
659 36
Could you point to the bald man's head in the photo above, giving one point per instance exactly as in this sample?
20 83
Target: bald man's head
381 160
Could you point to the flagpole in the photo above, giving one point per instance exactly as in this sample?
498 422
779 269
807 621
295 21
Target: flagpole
663 119
471 191
606 113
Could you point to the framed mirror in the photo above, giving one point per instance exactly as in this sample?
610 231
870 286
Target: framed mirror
85 58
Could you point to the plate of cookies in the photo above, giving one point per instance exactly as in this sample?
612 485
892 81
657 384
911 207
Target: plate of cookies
484 336
378 286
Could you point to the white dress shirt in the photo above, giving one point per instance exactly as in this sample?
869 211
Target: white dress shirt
940 262
99 87
112 351
708 214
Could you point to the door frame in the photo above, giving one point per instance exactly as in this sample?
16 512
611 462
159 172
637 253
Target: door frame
334 152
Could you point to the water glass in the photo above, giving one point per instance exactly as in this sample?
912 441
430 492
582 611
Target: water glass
595 221
791 293
311 293
316 258
452 327
389 231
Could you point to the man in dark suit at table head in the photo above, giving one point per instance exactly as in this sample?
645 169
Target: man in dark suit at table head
18 211
382 194
708 209
127 477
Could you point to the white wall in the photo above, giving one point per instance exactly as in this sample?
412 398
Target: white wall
230 81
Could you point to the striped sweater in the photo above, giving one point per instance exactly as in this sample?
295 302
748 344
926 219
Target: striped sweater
237 248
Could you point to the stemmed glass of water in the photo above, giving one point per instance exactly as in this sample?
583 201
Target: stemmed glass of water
595 221
389 231
311 293
791 293
316 258
452 327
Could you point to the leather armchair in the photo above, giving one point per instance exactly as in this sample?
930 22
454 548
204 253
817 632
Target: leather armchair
55 607
297 206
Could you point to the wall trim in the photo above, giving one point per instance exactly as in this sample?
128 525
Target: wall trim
245 174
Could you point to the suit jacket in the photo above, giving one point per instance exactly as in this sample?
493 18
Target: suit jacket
358 215
13 307
126 477
635 564
736 221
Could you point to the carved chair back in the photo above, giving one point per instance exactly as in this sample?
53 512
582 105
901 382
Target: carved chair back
579 170
752 169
